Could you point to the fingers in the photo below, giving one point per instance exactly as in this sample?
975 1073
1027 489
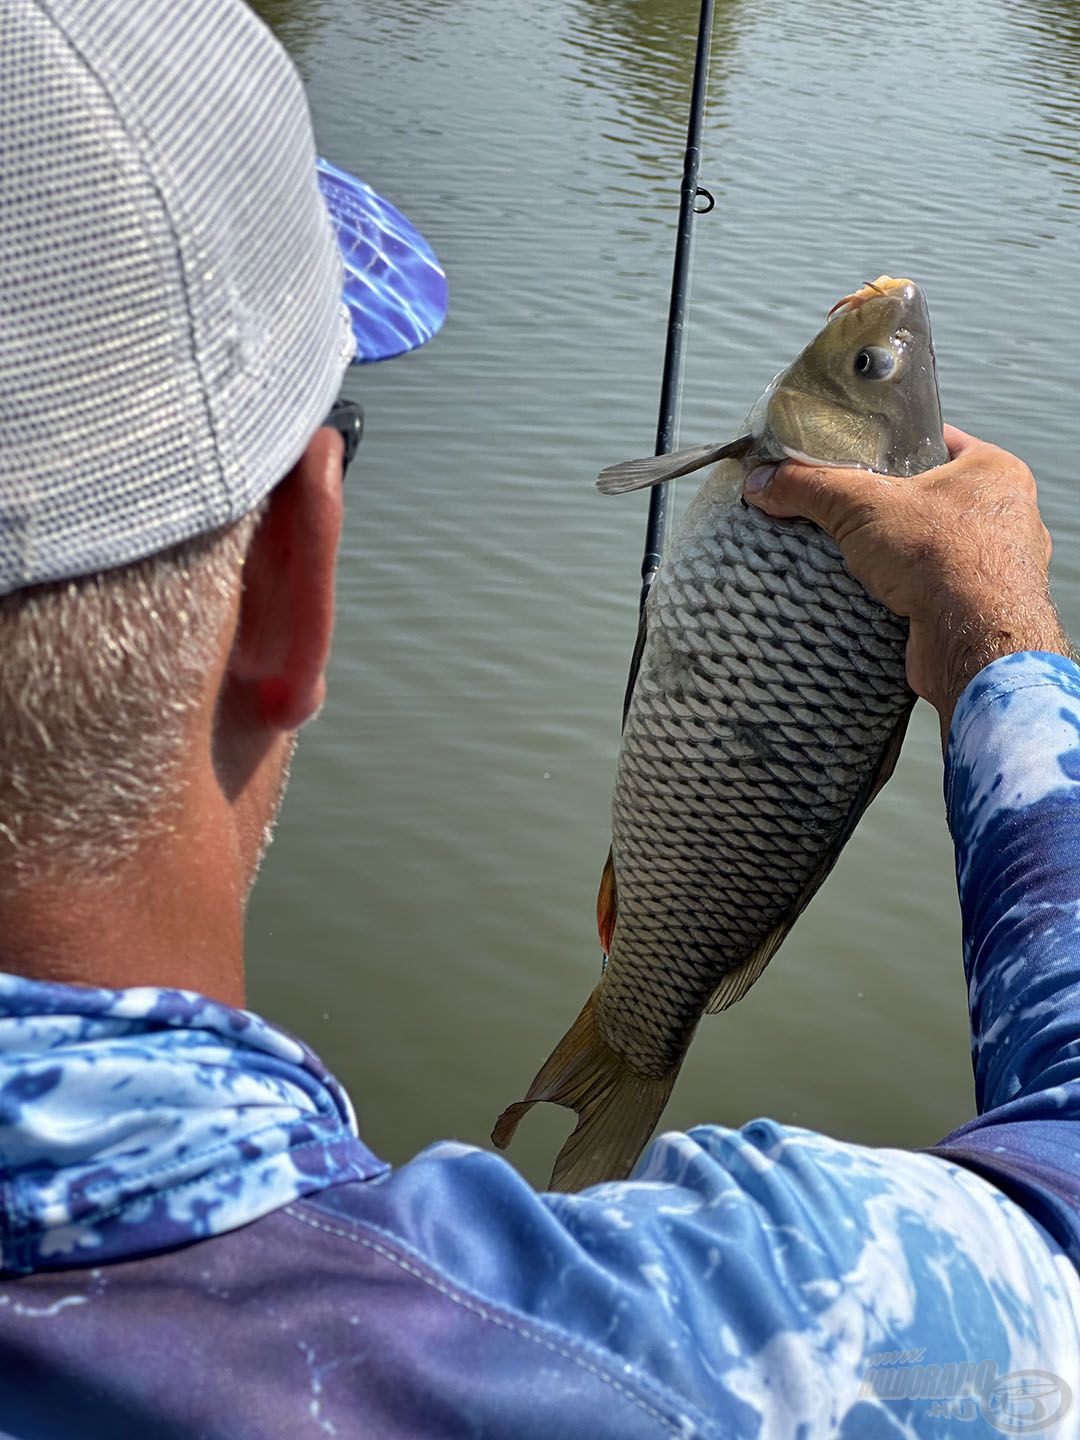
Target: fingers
827 496
957 441
971 456
960 551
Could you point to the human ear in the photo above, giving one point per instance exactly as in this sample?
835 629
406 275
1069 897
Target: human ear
286 616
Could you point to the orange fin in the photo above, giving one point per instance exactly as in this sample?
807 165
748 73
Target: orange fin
607 904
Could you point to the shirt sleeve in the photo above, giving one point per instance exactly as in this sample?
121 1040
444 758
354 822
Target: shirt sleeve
1012 790
771 1281
767 1282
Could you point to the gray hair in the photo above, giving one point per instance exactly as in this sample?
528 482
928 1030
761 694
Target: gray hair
99 679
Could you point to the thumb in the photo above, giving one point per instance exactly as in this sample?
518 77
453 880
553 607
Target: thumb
826 495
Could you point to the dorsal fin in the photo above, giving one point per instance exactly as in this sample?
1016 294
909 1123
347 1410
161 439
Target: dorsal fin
607 897
635 662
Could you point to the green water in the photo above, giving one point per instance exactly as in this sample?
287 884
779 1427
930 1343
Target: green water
426 916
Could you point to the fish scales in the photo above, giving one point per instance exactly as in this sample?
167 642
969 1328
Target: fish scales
657 762
766 707
735 873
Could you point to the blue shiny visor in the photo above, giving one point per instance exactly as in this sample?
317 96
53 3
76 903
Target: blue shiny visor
395 287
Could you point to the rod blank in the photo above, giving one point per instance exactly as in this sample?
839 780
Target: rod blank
674 351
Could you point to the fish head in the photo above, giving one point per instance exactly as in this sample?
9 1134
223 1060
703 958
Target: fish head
864 391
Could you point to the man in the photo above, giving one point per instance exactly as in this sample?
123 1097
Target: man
193 1238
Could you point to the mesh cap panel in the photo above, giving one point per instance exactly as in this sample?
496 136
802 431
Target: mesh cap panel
171 323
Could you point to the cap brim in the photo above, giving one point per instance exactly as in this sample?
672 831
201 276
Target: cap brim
395 288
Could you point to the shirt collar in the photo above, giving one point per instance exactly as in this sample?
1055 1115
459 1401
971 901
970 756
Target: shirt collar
136 1120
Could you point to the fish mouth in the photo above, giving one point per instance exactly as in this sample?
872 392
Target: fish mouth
804 459
883 285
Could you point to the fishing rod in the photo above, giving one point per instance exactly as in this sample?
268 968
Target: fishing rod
675 348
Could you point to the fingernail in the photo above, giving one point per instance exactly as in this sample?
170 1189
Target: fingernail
758 479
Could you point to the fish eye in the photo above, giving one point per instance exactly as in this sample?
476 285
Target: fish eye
874 362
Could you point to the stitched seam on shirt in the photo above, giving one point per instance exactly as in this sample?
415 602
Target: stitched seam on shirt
222 1147
503 1321
33 1227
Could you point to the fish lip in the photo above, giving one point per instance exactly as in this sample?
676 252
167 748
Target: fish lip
791 453
883 288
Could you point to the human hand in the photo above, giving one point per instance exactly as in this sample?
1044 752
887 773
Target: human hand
960 552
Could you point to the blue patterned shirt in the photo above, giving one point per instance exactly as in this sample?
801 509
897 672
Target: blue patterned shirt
198 1244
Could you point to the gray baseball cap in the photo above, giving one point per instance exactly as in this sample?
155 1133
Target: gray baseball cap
175 315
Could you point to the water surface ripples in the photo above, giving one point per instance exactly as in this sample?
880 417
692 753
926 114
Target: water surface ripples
426 916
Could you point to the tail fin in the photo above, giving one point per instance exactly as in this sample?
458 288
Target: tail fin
617 1110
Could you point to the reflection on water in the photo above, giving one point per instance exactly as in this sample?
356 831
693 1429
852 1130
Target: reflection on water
1047 33
294 22
426 916
641 52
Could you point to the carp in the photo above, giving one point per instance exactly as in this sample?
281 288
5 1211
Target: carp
766 707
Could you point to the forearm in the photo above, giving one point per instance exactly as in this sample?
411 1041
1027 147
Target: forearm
1013 797
972 629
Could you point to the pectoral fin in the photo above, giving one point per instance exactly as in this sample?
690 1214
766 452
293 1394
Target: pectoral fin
655 469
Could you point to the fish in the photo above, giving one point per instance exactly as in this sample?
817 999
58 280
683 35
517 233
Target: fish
766 707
